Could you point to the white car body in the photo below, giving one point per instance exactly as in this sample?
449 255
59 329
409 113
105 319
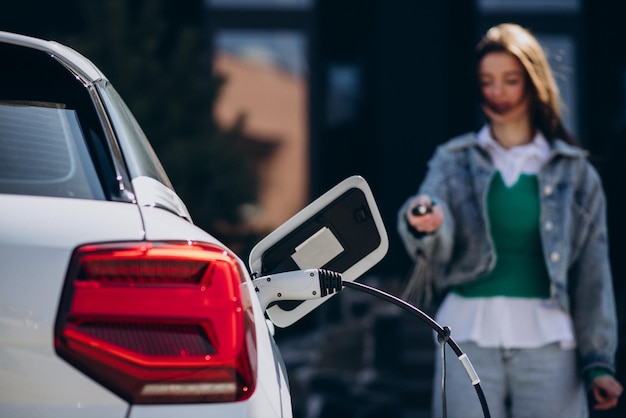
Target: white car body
39 235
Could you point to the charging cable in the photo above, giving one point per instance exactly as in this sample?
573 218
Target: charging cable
443 336
318 283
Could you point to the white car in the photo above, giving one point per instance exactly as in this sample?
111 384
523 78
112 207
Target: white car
112 302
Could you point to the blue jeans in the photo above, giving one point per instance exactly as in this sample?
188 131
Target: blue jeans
518 383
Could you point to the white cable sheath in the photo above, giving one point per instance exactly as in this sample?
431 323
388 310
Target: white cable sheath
467 364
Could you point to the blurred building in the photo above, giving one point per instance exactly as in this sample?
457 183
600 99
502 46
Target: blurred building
332 88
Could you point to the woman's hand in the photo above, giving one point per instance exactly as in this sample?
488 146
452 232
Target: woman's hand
427 222
606 392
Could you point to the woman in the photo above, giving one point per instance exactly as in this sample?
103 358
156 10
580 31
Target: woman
515 233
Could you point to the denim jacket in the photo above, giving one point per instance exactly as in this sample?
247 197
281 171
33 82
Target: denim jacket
573 235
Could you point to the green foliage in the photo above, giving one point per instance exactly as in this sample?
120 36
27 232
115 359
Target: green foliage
154 54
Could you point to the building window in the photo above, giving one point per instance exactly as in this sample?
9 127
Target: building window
536 6
561 53
275 4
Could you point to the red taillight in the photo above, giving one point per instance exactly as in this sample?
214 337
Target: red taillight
159 322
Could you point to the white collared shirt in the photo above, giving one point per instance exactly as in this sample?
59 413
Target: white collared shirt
511 162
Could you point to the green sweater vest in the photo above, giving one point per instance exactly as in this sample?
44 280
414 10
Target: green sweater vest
514 216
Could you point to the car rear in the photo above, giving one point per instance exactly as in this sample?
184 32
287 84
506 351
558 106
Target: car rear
37 238
112 303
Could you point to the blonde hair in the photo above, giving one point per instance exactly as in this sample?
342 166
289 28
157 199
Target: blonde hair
545 97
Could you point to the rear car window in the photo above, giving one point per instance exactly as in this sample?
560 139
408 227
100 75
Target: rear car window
141 160
43 152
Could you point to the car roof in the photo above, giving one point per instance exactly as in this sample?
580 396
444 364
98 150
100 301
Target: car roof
73 60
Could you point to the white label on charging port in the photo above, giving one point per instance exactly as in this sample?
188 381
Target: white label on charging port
317 250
